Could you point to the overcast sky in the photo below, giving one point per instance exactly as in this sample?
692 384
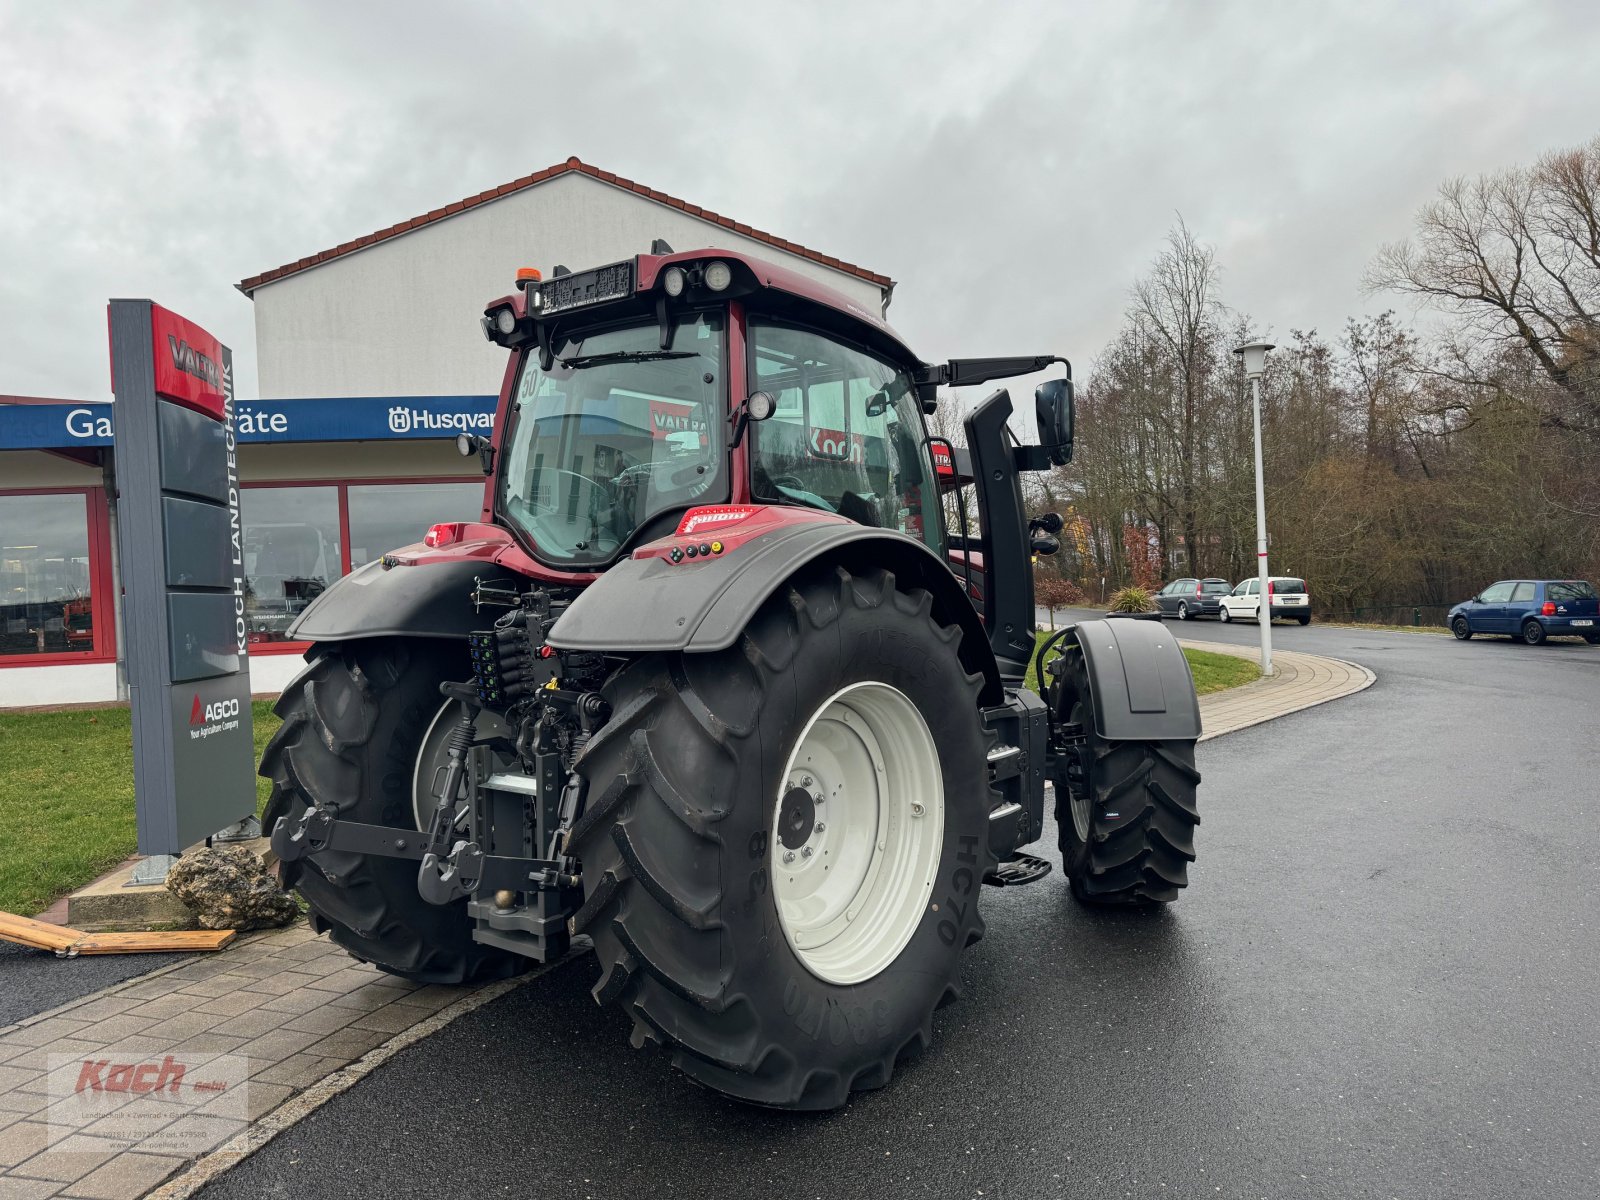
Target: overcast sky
1013 166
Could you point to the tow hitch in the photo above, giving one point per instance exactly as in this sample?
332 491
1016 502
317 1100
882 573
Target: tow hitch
452 867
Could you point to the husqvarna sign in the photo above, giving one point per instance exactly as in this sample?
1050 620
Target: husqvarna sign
178 525
325 419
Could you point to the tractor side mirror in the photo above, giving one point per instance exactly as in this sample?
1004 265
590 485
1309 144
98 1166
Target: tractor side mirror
1045 543
468 444
1053 406
1049 522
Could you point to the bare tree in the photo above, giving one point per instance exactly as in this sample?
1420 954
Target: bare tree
1515 256
1176 305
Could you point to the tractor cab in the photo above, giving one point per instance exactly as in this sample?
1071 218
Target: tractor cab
649 387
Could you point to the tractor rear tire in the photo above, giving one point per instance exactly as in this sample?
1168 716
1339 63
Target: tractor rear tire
691 811
1126 830
353 724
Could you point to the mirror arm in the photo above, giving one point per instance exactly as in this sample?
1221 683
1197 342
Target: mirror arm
1032 458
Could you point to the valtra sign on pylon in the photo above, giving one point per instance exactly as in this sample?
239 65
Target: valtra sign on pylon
184 576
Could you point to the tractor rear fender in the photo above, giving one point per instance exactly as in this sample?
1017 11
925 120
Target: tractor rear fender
1139 681
650 604
433 601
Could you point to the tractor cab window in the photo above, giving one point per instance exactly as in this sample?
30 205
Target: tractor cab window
617 432
847 434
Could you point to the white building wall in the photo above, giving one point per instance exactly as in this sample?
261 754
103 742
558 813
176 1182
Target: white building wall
70 683
401 318
96 683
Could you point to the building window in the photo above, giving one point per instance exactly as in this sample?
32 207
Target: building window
386 516
291 554
46 575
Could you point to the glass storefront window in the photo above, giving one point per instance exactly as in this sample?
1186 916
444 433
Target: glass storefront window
45 575
386 516
291 554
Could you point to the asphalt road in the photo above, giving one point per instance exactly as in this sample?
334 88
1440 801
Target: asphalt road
1384 981
32 981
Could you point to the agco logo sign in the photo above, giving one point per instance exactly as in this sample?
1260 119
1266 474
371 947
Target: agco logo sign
216 711
216 717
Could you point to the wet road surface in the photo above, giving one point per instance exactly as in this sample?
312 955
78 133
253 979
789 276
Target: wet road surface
1381 982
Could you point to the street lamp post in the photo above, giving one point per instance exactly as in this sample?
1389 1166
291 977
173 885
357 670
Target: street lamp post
1255 365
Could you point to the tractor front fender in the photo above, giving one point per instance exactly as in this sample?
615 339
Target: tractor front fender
1139 682
432 600
649 604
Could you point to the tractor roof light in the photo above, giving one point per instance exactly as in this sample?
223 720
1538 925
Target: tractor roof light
673 281
444 534
718 275
505 321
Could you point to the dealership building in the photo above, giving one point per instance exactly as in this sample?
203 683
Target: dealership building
370 360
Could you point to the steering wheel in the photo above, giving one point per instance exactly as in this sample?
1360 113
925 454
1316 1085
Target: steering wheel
604 489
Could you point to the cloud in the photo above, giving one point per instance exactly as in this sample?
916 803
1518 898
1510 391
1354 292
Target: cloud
1014 167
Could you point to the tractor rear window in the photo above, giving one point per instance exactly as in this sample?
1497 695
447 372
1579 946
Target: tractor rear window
617 432
1578 590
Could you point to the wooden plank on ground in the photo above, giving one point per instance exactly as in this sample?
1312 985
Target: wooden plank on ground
37 934
43 936
154 942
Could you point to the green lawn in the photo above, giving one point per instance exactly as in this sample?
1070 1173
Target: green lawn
1212 672
66 799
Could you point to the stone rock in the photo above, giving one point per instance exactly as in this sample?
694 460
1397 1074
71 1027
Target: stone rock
228 887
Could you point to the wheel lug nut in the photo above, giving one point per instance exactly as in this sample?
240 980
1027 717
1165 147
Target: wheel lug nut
821 828
805 851
917 808
788 856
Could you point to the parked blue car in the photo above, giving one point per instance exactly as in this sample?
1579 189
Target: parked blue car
1531 609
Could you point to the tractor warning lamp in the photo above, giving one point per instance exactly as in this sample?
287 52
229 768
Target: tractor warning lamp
445 534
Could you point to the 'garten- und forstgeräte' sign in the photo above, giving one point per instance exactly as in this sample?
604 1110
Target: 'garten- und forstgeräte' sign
183 577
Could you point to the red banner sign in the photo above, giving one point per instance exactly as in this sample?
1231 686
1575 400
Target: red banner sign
188 362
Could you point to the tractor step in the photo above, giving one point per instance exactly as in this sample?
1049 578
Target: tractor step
1017 870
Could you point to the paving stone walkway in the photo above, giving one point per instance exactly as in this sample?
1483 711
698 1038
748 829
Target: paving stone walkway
304 1016
1298 681
295 1006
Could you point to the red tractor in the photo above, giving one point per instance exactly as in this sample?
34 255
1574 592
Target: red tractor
713 684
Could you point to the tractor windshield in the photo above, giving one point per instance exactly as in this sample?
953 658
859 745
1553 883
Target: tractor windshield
618 431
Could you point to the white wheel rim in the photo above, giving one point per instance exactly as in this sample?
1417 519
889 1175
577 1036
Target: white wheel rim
853 861
433 758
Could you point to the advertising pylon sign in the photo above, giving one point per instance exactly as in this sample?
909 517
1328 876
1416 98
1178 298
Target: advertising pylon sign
183 575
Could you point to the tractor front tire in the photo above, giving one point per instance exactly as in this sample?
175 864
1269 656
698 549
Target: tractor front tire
726 787
1125 811
353 725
